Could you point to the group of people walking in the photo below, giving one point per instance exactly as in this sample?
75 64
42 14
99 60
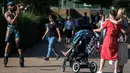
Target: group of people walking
112 50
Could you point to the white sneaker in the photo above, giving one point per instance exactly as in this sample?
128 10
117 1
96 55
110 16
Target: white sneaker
98 72
111 62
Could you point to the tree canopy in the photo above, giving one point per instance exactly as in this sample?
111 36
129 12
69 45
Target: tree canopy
48 3
35 2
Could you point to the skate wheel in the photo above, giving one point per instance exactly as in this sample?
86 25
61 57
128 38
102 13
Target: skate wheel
5 62
21 65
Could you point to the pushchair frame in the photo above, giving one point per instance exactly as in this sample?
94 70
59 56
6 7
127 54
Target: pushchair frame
76 62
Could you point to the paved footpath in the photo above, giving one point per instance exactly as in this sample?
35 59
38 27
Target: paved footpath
34 62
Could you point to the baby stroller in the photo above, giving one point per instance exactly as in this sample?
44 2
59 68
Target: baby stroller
84 43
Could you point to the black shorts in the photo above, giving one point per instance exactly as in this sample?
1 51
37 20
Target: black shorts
68 33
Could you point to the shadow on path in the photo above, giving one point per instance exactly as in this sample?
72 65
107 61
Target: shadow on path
128 53
35 66
90 72
41 48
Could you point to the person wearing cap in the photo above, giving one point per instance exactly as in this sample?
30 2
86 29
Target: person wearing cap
11 16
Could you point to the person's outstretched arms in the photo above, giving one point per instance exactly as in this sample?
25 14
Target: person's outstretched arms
116 21
103 27
98 30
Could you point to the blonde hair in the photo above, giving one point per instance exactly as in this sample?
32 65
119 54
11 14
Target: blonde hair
121 13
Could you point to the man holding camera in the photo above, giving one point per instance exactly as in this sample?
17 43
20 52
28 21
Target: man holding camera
11 17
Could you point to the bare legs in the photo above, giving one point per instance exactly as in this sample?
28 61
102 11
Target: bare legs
68 40
115 66
19 51
7 49
102 62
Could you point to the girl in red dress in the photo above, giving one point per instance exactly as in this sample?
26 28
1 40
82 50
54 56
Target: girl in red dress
110 45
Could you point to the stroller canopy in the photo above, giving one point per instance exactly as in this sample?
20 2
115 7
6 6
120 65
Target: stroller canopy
81 34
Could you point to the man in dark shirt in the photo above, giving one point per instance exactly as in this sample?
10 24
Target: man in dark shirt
86 21
96 20
60 22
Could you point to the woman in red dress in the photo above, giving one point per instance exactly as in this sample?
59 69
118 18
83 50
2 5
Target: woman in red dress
110 45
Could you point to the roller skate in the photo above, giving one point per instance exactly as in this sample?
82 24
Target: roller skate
21 61
5 61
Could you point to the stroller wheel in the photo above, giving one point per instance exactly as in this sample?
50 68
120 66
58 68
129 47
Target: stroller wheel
63 65
76 67
93 67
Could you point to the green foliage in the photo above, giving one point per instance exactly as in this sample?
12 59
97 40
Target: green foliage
1 17
41 2
30 18
2 34
121 3
31 27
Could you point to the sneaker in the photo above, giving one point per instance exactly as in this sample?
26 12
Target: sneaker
111 62
46 59
119 71
98 72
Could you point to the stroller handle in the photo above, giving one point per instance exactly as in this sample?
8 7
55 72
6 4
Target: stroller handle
96 34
